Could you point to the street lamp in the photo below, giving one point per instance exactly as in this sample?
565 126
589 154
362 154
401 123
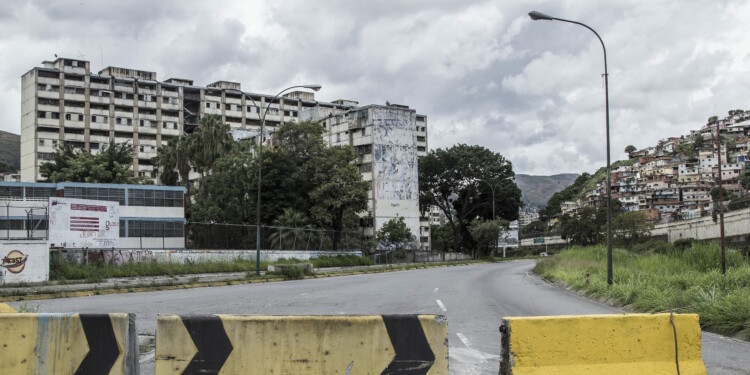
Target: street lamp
534 15
260 160
492 188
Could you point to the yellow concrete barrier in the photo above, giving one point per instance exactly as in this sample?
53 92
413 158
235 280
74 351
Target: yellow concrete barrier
601 344
68 344
6 308
232 344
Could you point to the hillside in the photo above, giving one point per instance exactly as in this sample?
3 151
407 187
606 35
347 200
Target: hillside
10 149
536 190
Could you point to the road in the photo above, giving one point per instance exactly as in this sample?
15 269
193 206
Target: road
474 298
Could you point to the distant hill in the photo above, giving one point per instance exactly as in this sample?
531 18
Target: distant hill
10 149
536 190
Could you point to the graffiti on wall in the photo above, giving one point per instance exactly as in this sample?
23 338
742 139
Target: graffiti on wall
395 156
115 257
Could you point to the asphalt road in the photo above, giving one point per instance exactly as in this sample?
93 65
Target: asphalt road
474 298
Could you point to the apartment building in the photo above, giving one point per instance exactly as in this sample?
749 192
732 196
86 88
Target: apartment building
63 101
387 139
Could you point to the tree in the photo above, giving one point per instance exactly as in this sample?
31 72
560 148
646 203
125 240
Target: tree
568 194
631 227
713 119
441 237
450 180
292 230
111 165
533 228
585 228
630 149
339 190
698 141
486 234
395 235
209 142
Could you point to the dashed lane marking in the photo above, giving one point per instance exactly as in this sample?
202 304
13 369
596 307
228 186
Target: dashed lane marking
440 303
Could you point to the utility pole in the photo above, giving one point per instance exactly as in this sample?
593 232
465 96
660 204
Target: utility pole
720 204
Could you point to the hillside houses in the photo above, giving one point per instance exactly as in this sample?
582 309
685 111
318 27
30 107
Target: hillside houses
673 180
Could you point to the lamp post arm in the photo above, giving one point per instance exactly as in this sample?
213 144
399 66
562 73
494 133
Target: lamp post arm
595 33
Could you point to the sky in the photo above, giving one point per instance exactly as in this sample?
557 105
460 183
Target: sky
481 71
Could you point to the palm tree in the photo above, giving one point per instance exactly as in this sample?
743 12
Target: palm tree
166 161
211 140
293 230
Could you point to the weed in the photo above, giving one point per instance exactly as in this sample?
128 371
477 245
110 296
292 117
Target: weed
687 281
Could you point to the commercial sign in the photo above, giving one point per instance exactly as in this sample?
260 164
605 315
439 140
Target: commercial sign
15 261
77 223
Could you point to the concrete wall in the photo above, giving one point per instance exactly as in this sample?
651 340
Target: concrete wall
24 262
394 167
123 256
735 223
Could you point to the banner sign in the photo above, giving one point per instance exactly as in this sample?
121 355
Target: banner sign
77 223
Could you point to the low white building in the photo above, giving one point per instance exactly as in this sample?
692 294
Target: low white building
151 216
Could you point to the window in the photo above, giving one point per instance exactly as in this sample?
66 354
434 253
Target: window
54 143
103 194
41 142
41 114
44 156
364 132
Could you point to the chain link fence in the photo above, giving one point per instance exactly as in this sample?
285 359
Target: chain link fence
242 236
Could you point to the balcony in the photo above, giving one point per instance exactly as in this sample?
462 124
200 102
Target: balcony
74 124
146 130
170 132
99 99
124 102
48 121
72 83
74 137
170 107
47 108
99 86
237 114
146 156
48 81
98 139
75 97
213 111
144 104
49 94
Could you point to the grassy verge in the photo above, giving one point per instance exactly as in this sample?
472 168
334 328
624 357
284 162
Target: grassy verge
63 271
688 281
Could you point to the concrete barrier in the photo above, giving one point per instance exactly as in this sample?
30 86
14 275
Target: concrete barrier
233 344
6 308
601 344
68 344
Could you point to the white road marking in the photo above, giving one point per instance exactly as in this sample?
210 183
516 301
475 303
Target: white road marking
436 290
440 303
463 339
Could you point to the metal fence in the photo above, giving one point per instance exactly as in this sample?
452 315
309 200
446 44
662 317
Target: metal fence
242 236
27 222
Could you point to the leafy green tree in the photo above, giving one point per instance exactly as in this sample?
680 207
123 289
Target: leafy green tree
339 190
226 195
292 230
699 141
111 165
441 237
486 234
450 180
533 228
209 142
395 235
630 149
631 227
584 228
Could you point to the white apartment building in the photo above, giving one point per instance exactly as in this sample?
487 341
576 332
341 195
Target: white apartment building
64 101
387 139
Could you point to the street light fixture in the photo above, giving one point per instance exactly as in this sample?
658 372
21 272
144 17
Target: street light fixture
534 15
492 188
313 87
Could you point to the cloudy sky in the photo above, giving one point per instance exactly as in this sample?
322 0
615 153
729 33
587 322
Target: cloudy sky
482 71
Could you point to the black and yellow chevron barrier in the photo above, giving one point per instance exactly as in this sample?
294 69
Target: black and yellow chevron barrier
237 344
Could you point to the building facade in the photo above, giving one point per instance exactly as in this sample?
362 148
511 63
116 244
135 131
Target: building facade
151 216
63 101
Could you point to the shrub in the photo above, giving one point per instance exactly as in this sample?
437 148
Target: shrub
652 246
683 243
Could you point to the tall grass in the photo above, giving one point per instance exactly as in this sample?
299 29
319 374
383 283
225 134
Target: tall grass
685 281
63 271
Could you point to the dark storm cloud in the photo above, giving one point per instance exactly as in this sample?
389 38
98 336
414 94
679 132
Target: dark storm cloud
481 71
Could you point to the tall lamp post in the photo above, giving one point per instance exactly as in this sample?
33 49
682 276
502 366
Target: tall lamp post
492 188
534 15
260 160
720 203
